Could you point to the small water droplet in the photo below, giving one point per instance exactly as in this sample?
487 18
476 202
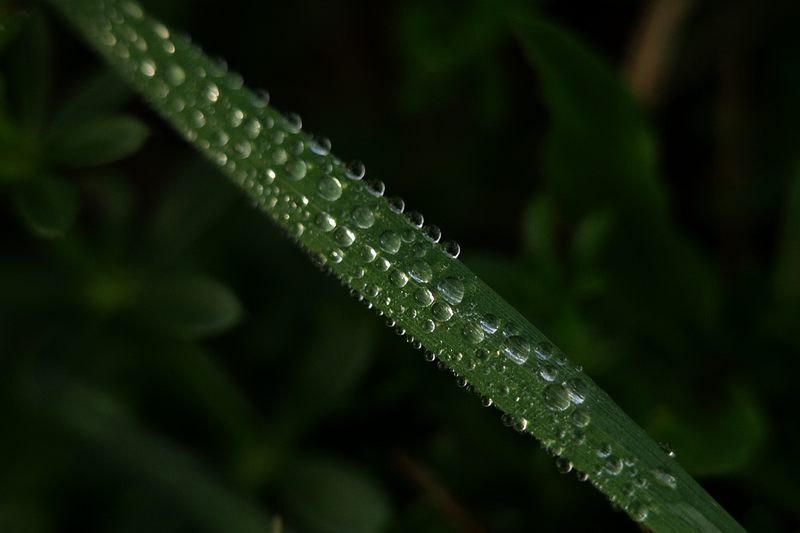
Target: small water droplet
362 217
398 278
421 272
638 511
423 297
442 312
252 128
486 401
517 349
293 122
490 323
604 450
390 242
336 256
668 449
325 222
329 188
355 170
376 187
175 75
368 253
344 236
665 477
473 333
429 326
396 204
563 465
320 145
521 424
452 290
577 390
212 92
548 372
280 157
544 350
148 68
556 397
432 233
613 465
451 248
383 264
415 218
296 168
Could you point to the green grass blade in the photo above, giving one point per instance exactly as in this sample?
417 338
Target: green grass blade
397 265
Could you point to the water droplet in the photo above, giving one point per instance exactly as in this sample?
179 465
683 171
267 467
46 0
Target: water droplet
280 157
419 250
212 92
133 9
160 30
577 390
423 297
390 242
221 138
148 68
548 372
396 204
613 465
544 350
344 236
429 326
604 450
521 424
320 145
355 170
362 217
398 278
517 349
260 99
421 272
563 465
668 449
325 222
252 128
442 312
490 323
415 218
665 477
336 256
293 122
368 254
452 290
451 248
243 149
486 401
376 187
473 333
175 75
638 512
556 398
432 233
296 168
329 188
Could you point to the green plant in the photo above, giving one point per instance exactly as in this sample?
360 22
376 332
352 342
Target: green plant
395 262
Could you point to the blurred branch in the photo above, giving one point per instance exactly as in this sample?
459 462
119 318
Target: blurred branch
650 52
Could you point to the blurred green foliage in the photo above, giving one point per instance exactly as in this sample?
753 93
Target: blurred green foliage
169 362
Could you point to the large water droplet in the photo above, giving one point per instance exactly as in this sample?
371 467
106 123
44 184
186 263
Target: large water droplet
490 323
368 253
432 233
296 168
451 248
362 217
548 372
415 218
390 242
329 188
556 397
452 290
421 272
577 390
544 350
376 187
396 204
293 122
516 348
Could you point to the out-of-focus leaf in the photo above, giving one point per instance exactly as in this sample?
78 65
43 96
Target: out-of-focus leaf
539 234
190 307
99 141
103 424
17 154
30 73
714 439
601 151
337 359
787 269
48 206
97 96
12 21
324 495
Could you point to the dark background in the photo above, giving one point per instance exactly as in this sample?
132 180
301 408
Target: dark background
170 362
